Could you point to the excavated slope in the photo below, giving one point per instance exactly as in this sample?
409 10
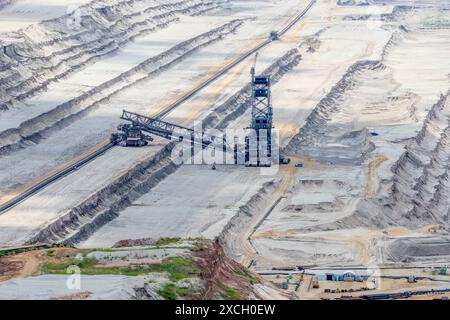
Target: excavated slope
103 206
48 51
68 112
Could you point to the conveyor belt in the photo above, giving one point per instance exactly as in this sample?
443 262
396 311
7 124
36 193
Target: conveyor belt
65 170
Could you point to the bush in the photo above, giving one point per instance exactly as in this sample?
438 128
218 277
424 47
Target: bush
231 294
166 241
168 292
177 267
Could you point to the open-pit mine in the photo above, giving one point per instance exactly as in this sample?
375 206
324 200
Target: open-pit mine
224 149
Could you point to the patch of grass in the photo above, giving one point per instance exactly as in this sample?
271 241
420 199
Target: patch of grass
198 246
50 253
166 241
87 267
228 293
131 271
60 268
177 267
171 292
183 292
231 294
86 263
131 249
108 250
168 292
195 239
14 251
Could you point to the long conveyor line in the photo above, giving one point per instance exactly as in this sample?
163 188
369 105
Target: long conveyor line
102 148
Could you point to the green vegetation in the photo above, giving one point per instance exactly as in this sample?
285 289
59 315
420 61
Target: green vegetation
87 268
195 239
7 253
183 292
168 292
198 246
230 294
166 241
112 250
14 251
177 267
103 250
50 253
171 292
86 265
